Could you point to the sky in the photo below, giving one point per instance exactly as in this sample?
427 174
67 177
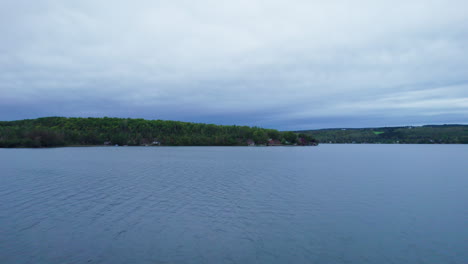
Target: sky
288 65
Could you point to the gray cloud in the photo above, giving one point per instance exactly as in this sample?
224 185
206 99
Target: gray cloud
283 64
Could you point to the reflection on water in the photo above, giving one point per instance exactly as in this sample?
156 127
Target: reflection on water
327 204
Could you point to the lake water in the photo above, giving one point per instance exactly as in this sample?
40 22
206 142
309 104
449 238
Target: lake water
326 204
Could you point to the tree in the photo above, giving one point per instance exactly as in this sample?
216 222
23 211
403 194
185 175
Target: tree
290 137
260 137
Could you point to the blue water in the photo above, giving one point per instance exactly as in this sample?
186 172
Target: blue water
326 204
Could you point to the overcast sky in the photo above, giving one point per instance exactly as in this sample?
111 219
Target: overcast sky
278 64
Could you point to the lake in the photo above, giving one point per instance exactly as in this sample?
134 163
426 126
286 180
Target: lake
326 204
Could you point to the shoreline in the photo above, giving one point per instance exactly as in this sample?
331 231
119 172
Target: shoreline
107 146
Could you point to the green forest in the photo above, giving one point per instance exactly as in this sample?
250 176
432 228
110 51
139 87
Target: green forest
430 134
62 131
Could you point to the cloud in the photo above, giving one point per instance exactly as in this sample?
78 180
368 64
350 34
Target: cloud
267 63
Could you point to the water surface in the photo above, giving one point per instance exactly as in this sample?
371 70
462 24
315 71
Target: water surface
327 204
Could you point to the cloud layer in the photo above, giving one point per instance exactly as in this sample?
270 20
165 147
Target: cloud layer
281 64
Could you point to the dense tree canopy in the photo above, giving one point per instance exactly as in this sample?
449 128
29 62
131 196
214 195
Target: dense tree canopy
61 131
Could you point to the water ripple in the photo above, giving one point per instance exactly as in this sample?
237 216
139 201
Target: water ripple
331 204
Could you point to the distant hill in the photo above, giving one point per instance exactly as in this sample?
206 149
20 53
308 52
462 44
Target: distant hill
429 134
62 131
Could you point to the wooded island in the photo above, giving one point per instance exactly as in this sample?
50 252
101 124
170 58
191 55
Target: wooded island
62 131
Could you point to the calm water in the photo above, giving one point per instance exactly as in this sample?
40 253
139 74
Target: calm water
327 204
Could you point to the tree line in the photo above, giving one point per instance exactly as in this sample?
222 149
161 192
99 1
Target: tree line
430 134
62 131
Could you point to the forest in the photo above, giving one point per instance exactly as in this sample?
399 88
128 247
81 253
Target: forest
62 131
429 134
